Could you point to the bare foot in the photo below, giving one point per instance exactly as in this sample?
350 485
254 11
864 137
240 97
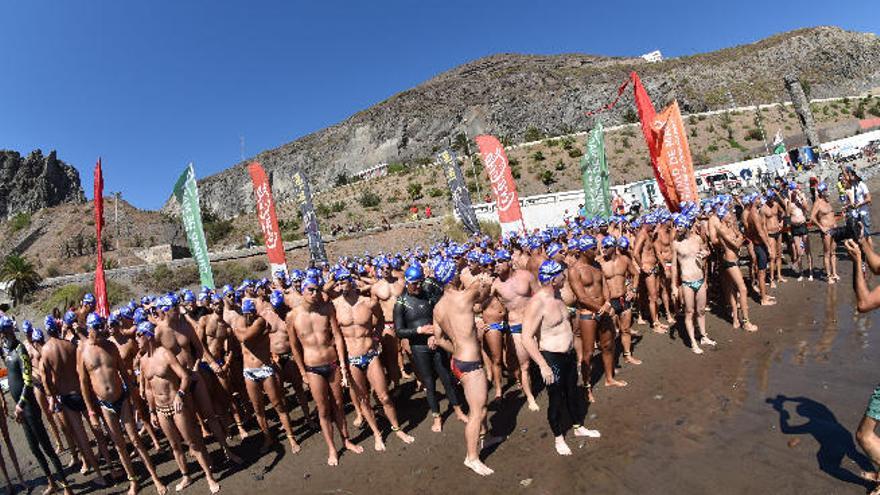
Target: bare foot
357 449
437 425
461 415
736 323
160 488
670 320
615 383
696 349
358 421
781 279
378 444
403 436
707 341
750 327
533 406
213 486
583 431
478 467
768 302
242 434
590 398
562 448
658 327
185 482
631 360
332 459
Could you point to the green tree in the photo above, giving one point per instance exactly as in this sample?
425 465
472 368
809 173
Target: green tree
21 276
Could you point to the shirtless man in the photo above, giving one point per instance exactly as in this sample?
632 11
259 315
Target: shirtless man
313 325
588 284
729 241
34 340
796 207
387 289
546 315
122 334
58 366
772 212
621 279
252 331
165 381
288 361
514 288
356 314
688 256
177 334
662 238
495 321
822 216
454 318
756 231
646 259
103 382
217 340
536 256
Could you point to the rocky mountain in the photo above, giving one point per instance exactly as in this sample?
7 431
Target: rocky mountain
33 182
508 94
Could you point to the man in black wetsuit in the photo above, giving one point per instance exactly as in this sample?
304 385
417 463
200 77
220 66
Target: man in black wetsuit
27 411
414 320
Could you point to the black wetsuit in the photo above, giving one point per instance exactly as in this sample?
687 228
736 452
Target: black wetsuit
410 312
20 379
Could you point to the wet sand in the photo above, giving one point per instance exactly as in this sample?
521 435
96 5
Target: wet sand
686 424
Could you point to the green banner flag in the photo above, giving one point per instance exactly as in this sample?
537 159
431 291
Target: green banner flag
187 193
597 194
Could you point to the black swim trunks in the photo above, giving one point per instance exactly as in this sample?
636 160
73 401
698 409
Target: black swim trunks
762 256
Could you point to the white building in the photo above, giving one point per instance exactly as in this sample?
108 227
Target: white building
654 56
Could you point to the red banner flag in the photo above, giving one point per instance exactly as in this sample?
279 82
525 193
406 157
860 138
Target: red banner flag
646 116
674 157
101 305
267 218
503 186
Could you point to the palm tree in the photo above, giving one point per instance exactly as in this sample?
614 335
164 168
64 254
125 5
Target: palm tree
21 276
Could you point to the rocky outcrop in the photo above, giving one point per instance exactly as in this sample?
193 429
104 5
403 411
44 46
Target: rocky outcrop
28 184
507 94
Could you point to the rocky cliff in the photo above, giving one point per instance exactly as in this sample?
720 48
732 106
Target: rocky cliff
507 94
33 182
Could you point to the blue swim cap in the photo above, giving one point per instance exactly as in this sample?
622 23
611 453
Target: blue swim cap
113 319
204 296
549 270
341 274
276 299
822 187
146 329
414 273
310 282
473 257
623 242
166 303
125 312
227 289
296 275
139 316
37 335
188 296
51 325
554 249
248 306
89 298
6 322
216 298
27 326
445 271
609 241
145 300
722 211
587 243
94 321
69 317
314 273
502 255
486 259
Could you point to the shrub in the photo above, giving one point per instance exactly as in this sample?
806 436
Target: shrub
533 134
453 229
513 162
323 210
369 199
435 192
19 222
567 143
71 295
337 206
341 179
712 148
53 270
575 153
215 229
754 135
551 143
630 116
560 165
538 156
701 118
230 273
548 177
397 168
625 143
414 190
291 230
734 144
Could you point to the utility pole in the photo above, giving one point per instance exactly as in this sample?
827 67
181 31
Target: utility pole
467 147
241 146
116 196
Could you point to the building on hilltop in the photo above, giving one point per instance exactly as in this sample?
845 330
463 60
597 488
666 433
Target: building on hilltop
654 56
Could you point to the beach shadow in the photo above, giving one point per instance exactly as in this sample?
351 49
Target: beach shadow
835 441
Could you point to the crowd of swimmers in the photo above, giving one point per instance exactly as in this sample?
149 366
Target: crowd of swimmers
478 315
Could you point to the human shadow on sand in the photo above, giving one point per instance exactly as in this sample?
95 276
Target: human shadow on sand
835 441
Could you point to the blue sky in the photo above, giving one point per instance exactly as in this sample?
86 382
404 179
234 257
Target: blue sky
149 86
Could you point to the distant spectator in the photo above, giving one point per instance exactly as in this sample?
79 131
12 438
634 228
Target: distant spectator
249 242
618 205
487 198
414 213
385 224
428 212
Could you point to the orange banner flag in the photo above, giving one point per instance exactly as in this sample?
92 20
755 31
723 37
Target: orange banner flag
674 161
